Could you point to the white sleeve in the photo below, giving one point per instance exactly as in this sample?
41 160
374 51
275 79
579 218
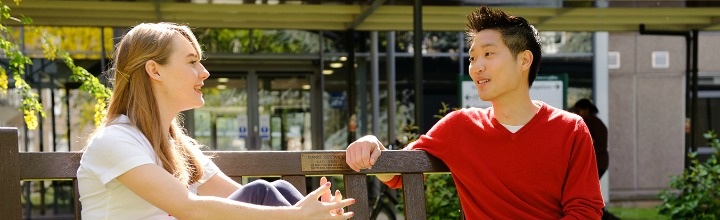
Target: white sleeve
209 167
115 150
209 170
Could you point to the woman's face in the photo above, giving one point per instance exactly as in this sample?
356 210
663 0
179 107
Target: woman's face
183 76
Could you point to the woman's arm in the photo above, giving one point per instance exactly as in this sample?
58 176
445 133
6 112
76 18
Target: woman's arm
158 187
219 185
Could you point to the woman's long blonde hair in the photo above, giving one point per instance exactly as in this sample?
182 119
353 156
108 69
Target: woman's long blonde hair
133 96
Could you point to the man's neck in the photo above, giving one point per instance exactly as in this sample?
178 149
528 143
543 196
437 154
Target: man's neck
515 112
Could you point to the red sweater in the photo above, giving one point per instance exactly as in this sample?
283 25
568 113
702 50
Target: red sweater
546 170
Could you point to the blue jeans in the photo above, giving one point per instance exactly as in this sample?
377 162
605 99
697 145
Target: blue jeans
261 192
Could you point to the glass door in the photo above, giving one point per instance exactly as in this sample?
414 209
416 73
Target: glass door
254 111
284 111
222 123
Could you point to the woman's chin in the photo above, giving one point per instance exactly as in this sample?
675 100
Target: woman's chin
201 104
196 105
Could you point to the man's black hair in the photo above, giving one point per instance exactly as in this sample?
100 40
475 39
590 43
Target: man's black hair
516 33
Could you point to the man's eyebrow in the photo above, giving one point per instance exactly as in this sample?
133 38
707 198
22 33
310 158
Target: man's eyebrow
191 55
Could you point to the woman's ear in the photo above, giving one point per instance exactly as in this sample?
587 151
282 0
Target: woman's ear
152 69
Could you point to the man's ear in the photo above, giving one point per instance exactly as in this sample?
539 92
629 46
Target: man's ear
151 68
526 59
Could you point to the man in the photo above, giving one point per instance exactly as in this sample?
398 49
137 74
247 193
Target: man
599 133
519 159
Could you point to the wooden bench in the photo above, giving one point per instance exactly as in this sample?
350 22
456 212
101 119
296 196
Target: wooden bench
19 166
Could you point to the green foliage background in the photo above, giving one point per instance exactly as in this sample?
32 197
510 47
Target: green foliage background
262 41
441 198
18 61
698 187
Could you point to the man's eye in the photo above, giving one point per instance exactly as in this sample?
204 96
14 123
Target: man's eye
471 59
193 62
489 53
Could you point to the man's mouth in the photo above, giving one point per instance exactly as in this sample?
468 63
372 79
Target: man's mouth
483 81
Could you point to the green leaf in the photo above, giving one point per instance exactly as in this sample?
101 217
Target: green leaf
699 186
31 106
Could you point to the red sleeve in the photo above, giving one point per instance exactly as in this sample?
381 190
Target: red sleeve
581 197
431 143
395 182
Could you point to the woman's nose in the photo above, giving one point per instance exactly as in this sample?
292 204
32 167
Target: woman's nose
204 74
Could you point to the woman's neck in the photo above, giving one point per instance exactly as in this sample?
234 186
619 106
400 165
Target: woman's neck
166 118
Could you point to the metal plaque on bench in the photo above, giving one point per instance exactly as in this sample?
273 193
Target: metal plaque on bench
323 161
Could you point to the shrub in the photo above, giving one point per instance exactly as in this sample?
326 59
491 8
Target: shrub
441 198
698 187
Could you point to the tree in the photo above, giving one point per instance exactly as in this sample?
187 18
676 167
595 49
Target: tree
18 61
263 41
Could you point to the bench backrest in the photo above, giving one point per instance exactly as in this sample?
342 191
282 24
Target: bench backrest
292 166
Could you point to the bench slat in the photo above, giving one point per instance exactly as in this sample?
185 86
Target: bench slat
78 206
298 182
49 165
359 193
257 163
9 177
414 195
63 165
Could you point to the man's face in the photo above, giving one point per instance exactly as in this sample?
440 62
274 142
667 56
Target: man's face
498 74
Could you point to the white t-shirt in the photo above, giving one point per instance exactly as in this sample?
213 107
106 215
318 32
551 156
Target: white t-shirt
111 152
512 128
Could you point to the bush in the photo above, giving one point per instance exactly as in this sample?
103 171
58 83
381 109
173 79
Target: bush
699 188
441 198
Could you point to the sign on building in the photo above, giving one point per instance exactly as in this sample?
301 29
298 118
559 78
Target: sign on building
551 89
264 127
242 126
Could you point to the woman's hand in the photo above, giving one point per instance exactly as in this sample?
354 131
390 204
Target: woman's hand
313 208
327 197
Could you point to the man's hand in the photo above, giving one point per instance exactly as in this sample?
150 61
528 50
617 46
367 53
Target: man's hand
363 153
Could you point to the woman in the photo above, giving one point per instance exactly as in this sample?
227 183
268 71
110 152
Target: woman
141 165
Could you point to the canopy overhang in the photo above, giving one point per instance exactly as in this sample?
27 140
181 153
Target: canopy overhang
358 17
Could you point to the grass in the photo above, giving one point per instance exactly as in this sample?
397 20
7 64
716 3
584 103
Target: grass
631 213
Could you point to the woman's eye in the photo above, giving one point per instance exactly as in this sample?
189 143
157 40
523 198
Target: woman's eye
471 59
193 62
489 53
